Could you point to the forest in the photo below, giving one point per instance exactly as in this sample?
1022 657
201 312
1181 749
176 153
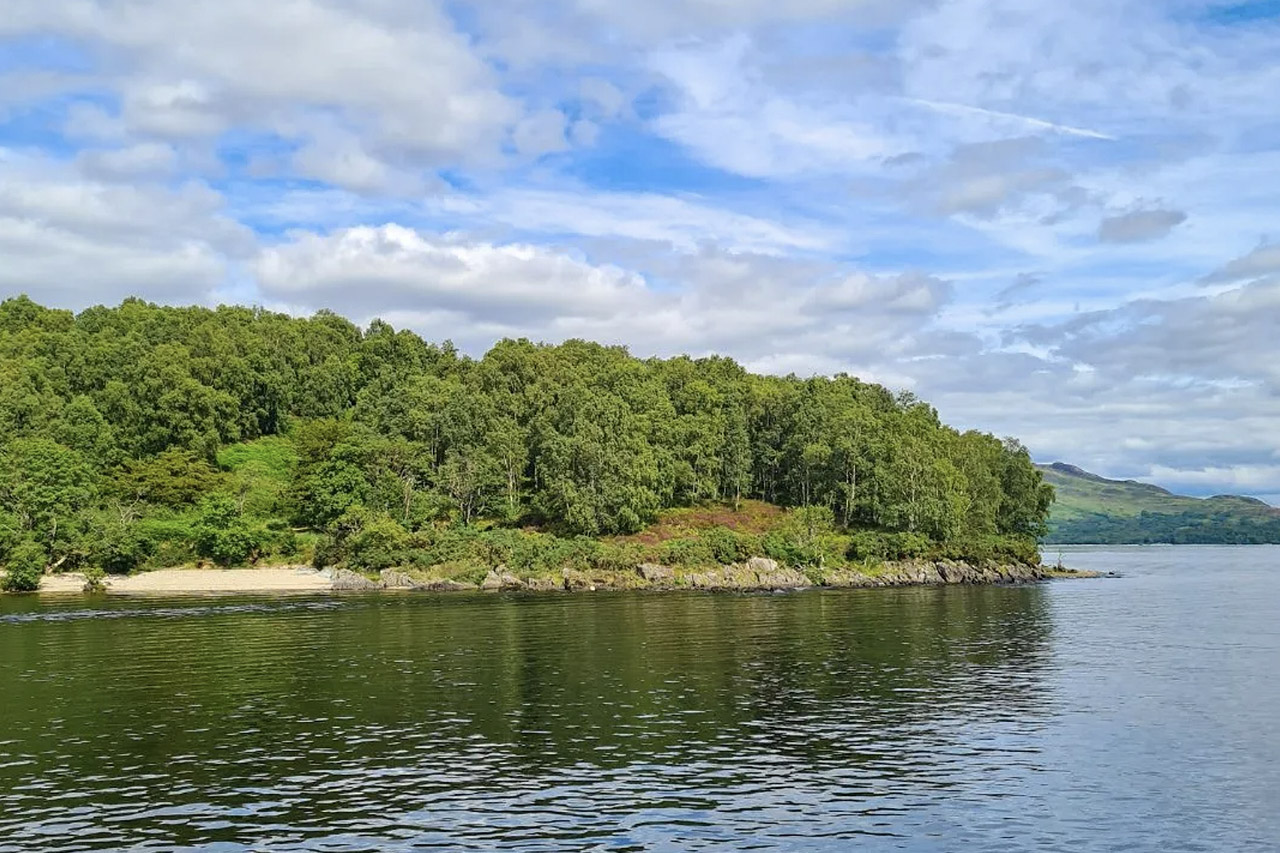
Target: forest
143 436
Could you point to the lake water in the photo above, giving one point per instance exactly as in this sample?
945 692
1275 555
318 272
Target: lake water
1138 713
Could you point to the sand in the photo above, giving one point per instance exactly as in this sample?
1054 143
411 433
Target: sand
202 581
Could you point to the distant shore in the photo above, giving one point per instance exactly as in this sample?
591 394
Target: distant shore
757 574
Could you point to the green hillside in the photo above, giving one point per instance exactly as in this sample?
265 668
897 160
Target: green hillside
1094 510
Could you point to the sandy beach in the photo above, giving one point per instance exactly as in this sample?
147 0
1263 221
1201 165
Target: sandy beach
201 581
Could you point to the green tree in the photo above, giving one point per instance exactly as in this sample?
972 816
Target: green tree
224 536
44 486
24 567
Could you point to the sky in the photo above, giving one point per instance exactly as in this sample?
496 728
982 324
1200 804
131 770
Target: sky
1059 221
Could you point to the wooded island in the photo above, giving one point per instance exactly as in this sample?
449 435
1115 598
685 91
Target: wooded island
144 436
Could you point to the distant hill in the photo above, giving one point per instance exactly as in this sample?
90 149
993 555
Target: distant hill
1094 510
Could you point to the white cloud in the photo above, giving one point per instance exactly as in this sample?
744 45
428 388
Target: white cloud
72 240
541 133
367 271
683 223
729 117
140 161
187 70
1263 260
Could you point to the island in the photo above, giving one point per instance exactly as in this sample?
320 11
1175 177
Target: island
140 437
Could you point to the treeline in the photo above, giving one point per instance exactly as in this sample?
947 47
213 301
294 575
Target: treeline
1147 528
144 434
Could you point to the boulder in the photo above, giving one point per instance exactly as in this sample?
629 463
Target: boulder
500 578
543 584
446 585
396 579
781 578
347 580
654 573
762 565
574 579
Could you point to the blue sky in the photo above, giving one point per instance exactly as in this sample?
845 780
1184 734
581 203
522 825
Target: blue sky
1059 221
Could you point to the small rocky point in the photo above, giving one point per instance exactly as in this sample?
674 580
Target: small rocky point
757 573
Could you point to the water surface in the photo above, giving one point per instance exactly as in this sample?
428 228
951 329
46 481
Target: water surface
1136 713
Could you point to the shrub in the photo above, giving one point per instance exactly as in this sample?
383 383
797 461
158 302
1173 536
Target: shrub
94 579
121 548
329 552
979 549
687 552
25 566
223 536
233 545
464 571
885 545
279 542
378 545
725 545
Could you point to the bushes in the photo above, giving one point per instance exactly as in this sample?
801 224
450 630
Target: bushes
94 579
690 552
876 545
979 549
120 548
807 540
378 545
25 566
882 545
726 546
225 537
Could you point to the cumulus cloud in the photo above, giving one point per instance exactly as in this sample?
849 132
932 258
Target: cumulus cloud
400 69
1263 260
1139 225
72 240
372 270
985 179
140 161
811 316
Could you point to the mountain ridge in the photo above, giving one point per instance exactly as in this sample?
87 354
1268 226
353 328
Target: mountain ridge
1091 509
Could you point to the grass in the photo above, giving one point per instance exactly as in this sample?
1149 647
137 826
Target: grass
273 458
262 470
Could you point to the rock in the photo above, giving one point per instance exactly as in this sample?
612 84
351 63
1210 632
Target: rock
345 579
446 585
542 584
395 579
762 565
500 578
655 573
781 578
574 579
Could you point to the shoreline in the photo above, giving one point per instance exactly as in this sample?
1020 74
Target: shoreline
758 575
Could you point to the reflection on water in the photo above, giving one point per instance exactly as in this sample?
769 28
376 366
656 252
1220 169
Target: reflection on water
906 719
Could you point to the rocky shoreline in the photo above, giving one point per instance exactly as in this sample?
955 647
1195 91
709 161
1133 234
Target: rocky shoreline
756 574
